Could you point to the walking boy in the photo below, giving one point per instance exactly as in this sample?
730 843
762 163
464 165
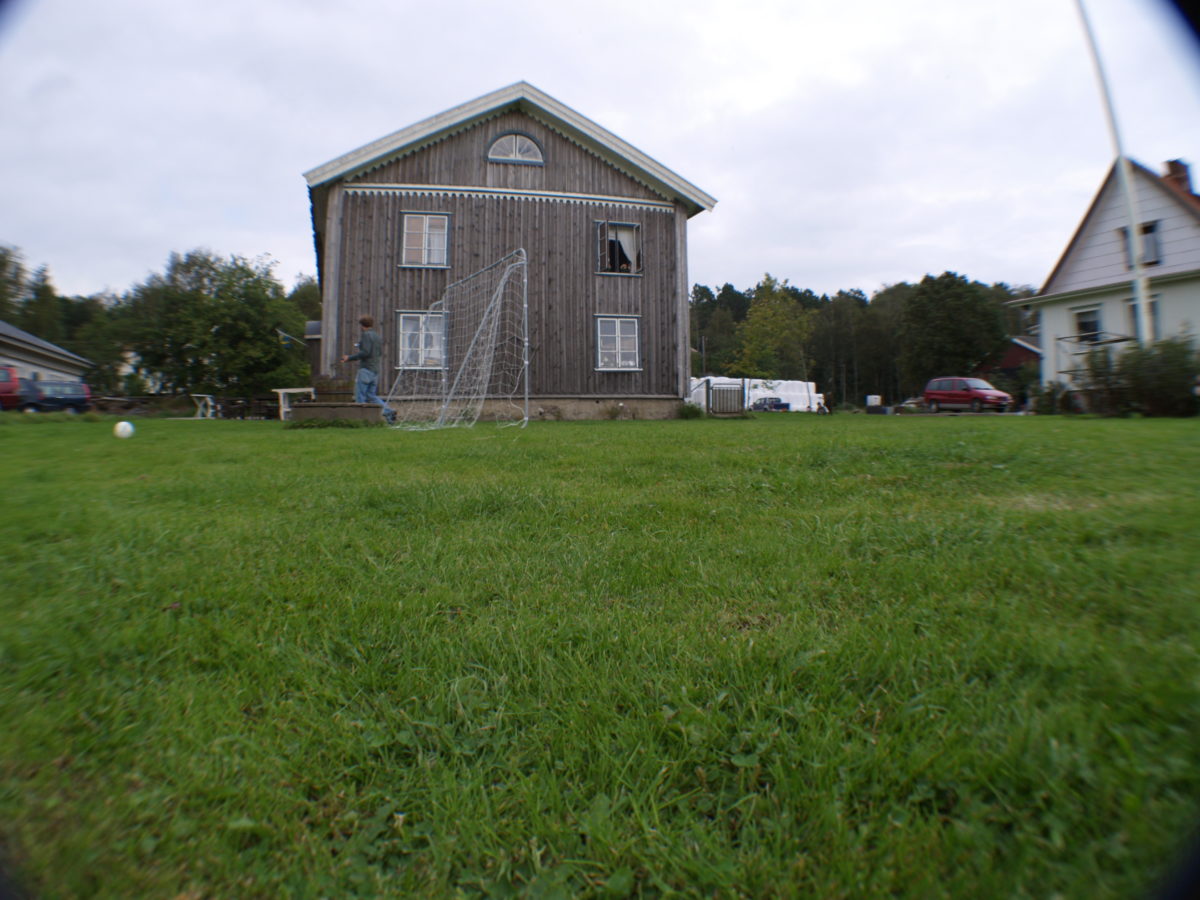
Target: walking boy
370 352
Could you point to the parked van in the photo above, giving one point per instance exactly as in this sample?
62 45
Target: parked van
974 394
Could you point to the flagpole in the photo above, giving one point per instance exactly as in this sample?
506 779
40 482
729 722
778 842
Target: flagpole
1141 293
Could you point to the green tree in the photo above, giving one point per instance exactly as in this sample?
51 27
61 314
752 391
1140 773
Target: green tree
837 346
714 327
162 320
881 343
208 324
12 283
42 313
1002 295
718 343
950 326
92 333
771 339
305 295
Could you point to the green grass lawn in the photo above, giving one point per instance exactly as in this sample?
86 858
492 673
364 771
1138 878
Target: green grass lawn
792 655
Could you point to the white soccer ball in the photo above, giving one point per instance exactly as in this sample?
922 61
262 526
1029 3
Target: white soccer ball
123 429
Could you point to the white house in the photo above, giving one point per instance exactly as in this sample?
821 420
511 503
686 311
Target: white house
1088 300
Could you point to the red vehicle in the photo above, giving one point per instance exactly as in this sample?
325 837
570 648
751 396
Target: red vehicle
10 388
974 394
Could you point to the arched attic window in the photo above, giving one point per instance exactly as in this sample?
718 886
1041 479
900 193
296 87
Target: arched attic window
515 148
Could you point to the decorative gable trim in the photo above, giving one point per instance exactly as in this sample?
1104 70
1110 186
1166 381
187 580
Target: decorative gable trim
439 190
524 97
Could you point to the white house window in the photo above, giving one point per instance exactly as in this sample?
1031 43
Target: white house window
1031 320
1151 249
515 148
426 240
1135 320
1087 324
618 248
422 340
617 343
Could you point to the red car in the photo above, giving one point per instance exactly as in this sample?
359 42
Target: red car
974 394
10 388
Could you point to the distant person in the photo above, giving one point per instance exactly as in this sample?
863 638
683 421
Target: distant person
370 352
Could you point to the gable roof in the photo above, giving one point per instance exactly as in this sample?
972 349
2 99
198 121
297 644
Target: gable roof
11 334
524 97
1184 198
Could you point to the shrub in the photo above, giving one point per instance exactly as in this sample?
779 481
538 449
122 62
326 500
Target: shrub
1103 388
1159 379
690 411
1053 399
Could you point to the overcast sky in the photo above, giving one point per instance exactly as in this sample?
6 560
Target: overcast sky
849 143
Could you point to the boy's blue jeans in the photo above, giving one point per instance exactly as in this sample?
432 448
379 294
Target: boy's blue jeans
365 392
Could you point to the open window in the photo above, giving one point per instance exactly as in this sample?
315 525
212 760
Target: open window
618 248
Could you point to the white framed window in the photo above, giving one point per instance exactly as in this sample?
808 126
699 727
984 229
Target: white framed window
1151 249
617 344
426 240
618 248
1135 320
1088 326
422 339
515 148
1031 320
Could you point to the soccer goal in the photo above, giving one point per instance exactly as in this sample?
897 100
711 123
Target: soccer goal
466 356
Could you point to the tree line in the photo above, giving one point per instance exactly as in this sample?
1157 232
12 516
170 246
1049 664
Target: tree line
212 324
205 324
850 345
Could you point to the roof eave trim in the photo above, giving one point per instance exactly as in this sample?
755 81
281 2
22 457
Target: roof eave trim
519 94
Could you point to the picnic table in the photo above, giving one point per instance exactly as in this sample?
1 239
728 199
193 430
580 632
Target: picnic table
285 397
206 406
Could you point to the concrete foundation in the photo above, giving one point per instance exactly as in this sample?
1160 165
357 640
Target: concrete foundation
541 409
574 408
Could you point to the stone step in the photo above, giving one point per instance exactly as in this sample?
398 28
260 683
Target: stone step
369 412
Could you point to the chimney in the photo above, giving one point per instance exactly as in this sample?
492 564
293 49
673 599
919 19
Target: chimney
1179 177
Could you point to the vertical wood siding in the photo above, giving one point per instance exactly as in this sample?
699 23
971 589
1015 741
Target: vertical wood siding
565 293
462 160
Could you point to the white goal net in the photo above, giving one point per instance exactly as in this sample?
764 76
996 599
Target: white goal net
466 356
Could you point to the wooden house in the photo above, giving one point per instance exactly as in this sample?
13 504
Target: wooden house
604 227
1088 300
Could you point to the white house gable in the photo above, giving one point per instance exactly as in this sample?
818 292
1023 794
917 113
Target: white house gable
1089 299
1098 255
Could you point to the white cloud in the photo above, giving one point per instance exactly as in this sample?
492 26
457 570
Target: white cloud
849 144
